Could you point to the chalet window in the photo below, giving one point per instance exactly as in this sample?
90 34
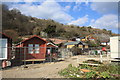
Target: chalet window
30 48
37 48
3 49
33 48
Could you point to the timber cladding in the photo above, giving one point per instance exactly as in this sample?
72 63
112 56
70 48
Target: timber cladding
32 48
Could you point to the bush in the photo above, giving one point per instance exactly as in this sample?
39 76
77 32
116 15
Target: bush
104 75
76 50
91 74
70 71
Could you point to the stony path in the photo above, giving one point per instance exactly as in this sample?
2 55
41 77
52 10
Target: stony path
47 70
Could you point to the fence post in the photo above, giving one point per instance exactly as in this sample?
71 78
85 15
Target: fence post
108 59
50 55
77 59
101 58
24 56
19 51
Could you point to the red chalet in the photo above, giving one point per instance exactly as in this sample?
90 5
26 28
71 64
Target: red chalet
32 49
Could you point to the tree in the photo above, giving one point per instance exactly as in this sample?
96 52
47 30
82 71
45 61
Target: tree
104 30
110 32
51 30
43 34
14 36
89 27
16 11
76 50
93 43
37 30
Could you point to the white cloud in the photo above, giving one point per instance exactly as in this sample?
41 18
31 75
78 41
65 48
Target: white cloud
47 10
76 8
93 20
67 8
105 7
80 21
106 21
21 0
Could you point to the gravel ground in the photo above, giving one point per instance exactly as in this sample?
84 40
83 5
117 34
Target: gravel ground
46 70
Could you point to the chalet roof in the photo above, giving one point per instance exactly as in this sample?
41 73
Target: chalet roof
104 41
4 35
33 37
75 43
84 43
20 45
57 41
51 44
72 43
82 37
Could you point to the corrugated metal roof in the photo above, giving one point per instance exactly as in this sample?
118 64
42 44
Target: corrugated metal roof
72 43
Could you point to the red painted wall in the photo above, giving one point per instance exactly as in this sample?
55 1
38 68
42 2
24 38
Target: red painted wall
27 55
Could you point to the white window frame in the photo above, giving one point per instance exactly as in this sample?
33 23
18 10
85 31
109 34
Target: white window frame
36 48
6 51
30 49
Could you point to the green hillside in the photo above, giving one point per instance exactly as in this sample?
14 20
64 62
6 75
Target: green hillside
16 24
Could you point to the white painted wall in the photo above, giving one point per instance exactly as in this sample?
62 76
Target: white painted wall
104 43
115 47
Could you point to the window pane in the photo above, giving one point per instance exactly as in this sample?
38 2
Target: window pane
36 51
30 48
3 48
37 48
30 45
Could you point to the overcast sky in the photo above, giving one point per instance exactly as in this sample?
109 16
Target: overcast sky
96 14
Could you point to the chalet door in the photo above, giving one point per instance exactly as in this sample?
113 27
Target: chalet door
3 49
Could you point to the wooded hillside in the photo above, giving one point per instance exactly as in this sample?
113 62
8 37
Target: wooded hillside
16 24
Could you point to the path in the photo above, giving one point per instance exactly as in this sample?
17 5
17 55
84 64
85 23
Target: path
47 70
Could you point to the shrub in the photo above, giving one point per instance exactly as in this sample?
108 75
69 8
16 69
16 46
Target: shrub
102 72
104 75
91 74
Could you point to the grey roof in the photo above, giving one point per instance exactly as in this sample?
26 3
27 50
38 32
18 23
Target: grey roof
74 43
84 43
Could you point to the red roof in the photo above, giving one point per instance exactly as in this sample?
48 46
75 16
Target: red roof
51 44
58 41
33 37
20 45
105 41
103 48
5 35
